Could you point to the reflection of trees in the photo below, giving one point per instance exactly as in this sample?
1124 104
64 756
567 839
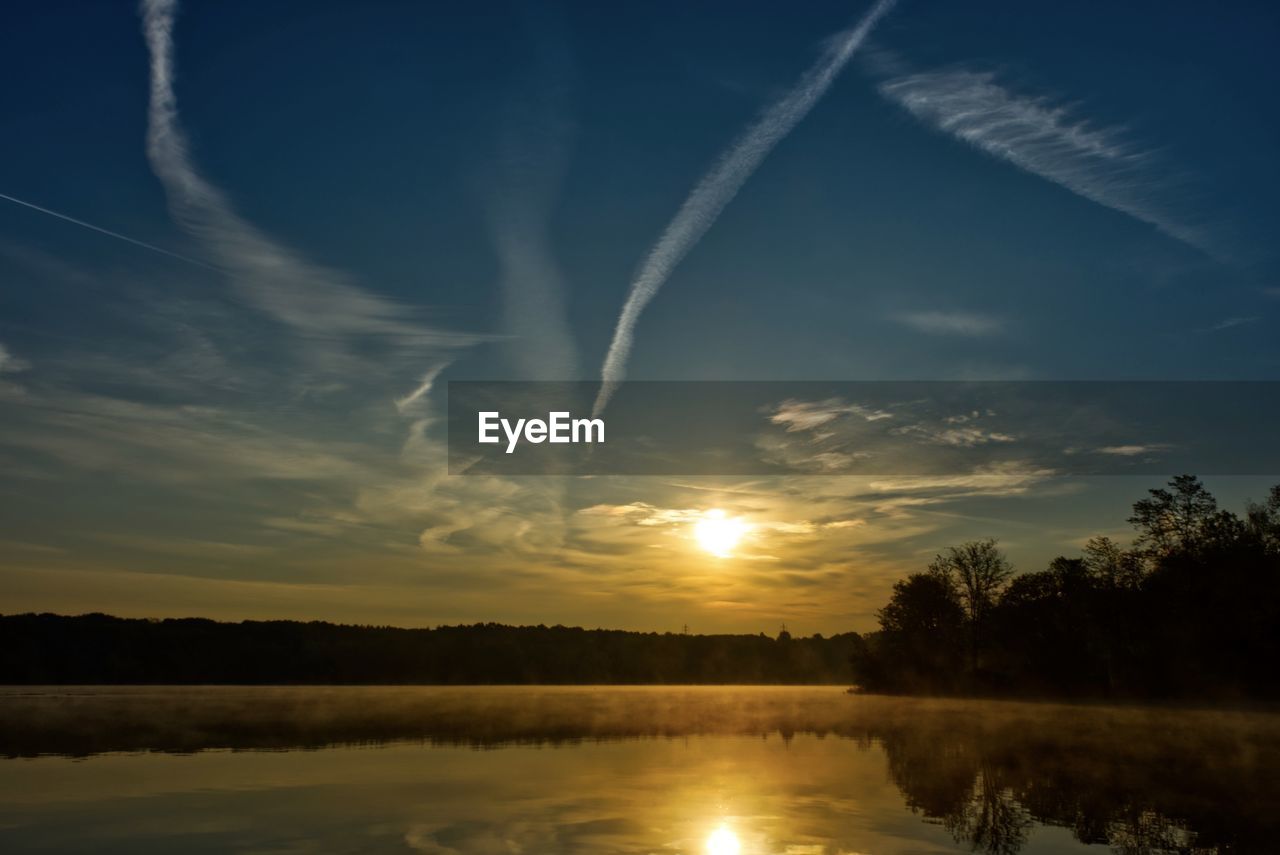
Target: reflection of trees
1124 778
948 779
935 773
1189 612
992 820
1151 834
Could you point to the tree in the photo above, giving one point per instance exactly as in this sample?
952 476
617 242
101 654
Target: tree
921 630
1193 611
1047 633
1174 520
925 603
1263 521
1111 565
979 571
1117 574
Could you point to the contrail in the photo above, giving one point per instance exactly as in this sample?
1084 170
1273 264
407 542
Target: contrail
100 230
424 387
1046 140
718 187
536 142
309 298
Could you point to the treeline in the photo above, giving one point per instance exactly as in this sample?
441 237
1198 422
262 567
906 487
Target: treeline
1190 610
100 649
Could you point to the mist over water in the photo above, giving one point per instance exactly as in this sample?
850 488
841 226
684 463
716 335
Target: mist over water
627 770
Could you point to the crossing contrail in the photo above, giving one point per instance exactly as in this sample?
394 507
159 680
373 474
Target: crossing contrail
100 230
718 187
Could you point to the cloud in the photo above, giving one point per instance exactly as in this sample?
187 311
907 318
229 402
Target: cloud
312 300
905 435
179 398
353 345
796 415
1044 139
643 513
180 444
423 388
717 188
10 364
968 436
1228 323
533 155
190 547
951 323
1010 478
854 534
1132 450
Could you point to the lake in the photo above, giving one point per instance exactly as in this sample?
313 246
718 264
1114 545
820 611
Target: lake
708 770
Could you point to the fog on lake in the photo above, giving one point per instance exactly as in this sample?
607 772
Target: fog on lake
754 770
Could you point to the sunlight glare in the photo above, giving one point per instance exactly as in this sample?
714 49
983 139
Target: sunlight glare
719 534
723 842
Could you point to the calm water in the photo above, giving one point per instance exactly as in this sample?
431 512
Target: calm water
501 771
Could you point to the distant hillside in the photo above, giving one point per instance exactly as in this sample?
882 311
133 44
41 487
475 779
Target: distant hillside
101 649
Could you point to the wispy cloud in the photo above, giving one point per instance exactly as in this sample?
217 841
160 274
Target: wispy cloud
311 299
1008 478
181 444
1133 450
967 436
423 388
533 154
279 438
718 187
951 323
1229 323
644 513
1045 139
9 363
796 415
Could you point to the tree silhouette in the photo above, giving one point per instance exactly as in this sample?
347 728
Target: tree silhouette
1176 519
979 570
102 649
1111 565
1192 610
924 624
1262 521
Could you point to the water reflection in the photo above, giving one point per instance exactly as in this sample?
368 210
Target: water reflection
717 771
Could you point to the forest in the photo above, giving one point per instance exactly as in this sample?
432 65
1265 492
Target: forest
100 649
1190 610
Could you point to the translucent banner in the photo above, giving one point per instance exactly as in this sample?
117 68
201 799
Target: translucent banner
865 428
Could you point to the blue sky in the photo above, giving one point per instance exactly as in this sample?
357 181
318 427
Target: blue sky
389 192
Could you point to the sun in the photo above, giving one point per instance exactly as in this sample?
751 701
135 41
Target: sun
723 842
718 533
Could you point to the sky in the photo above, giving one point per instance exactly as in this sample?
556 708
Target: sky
291 224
